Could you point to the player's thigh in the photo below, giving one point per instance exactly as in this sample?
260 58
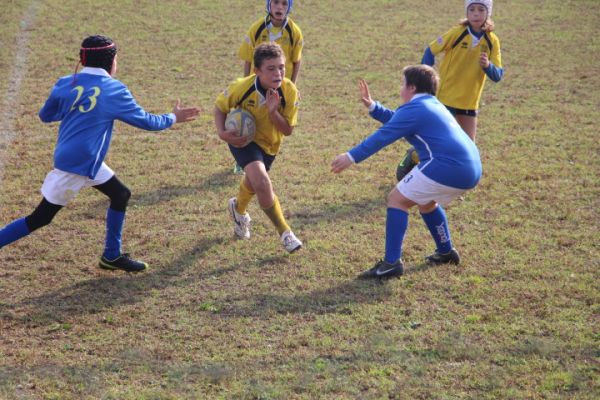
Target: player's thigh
258 177
468 124
396 199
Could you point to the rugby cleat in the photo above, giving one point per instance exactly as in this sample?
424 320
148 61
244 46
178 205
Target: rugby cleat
383 269
290 242
123 263
237 169
451 257
241 222
407 164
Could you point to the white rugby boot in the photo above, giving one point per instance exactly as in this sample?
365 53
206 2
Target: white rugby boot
241 222
290 242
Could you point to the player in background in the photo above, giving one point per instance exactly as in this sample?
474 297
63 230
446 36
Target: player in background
471 53
87 104
275 27
449 166
273 101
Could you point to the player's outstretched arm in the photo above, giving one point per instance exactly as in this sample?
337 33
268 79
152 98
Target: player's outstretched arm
184 114
365 95
340 163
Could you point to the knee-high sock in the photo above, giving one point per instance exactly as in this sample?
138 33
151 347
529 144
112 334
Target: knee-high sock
13 232
243 198
437 223
114 228
276 216
396 224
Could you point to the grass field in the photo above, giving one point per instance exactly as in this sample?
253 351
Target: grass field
216 318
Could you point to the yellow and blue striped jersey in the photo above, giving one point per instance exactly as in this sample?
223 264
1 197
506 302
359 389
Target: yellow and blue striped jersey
461 77
289 37
248 94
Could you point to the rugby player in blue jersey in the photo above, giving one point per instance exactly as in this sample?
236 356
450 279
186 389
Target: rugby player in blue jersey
449 165
87 104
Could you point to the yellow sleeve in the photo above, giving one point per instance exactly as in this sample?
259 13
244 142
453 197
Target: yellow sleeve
496 56
246 51
298 45
290 112
226 100
444 42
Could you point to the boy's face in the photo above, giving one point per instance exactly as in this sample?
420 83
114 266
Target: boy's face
278 10
476 14
271 72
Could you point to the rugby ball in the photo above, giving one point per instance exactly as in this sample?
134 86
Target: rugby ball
241 121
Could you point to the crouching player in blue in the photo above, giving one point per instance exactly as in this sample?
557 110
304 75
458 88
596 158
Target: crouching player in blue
449 165
87 104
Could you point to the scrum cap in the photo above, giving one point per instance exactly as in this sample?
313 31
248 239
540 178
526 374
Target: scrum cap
488 4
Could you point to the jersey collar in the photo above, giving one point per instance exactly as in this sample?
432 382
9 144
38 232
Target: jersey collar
417 95
94 71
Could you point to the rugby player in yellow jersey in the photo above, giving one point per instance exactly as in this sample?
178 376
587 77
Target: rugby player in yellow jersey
276 27
273 101
471 55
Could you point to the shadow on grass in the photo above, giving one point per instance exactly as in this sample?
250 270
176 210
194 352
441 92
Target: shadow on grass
95 295
162 194
338 299
422 267
330 212
166 193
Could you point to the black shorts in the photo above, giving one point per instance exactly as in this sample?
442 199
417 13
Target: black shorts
460 111
249 153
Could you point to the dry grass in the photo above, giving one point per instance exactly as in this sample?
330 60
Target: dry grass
218 318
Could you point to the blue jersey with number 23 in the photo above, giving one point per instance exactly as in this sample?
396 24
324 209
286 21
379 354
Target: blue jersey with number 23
87 107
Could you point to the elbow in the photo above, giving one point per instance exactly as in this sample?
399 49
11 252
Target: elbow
288 131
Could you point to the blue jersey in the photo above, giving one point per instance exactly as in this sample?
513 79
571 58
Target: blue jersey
87 108
447 155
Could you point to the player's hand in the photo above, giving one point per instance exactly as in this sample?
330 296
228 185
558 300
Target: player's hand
365 96
340 163
183 114
273 100
484 61
233 138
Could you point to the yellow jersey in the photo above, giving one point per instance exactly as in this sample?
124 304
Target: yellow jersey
248 94
461 77
289 37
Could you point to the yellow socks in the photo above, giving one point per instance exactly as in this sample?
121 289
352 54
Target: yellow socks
244 197
276 216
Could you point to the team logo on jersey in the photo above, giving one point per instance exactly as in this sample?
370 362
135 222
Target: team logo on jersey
440 40
250 103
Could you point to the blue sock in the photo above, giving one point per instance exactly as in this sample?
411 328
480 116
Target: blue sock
396 224
114 227
437 223
13 232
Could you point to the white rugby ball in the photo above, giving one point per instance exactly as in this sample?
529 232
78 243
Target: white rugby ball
241 121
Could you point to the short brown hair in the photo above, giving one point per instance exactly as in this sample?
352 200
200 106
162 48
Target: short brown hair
422 77
266 51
